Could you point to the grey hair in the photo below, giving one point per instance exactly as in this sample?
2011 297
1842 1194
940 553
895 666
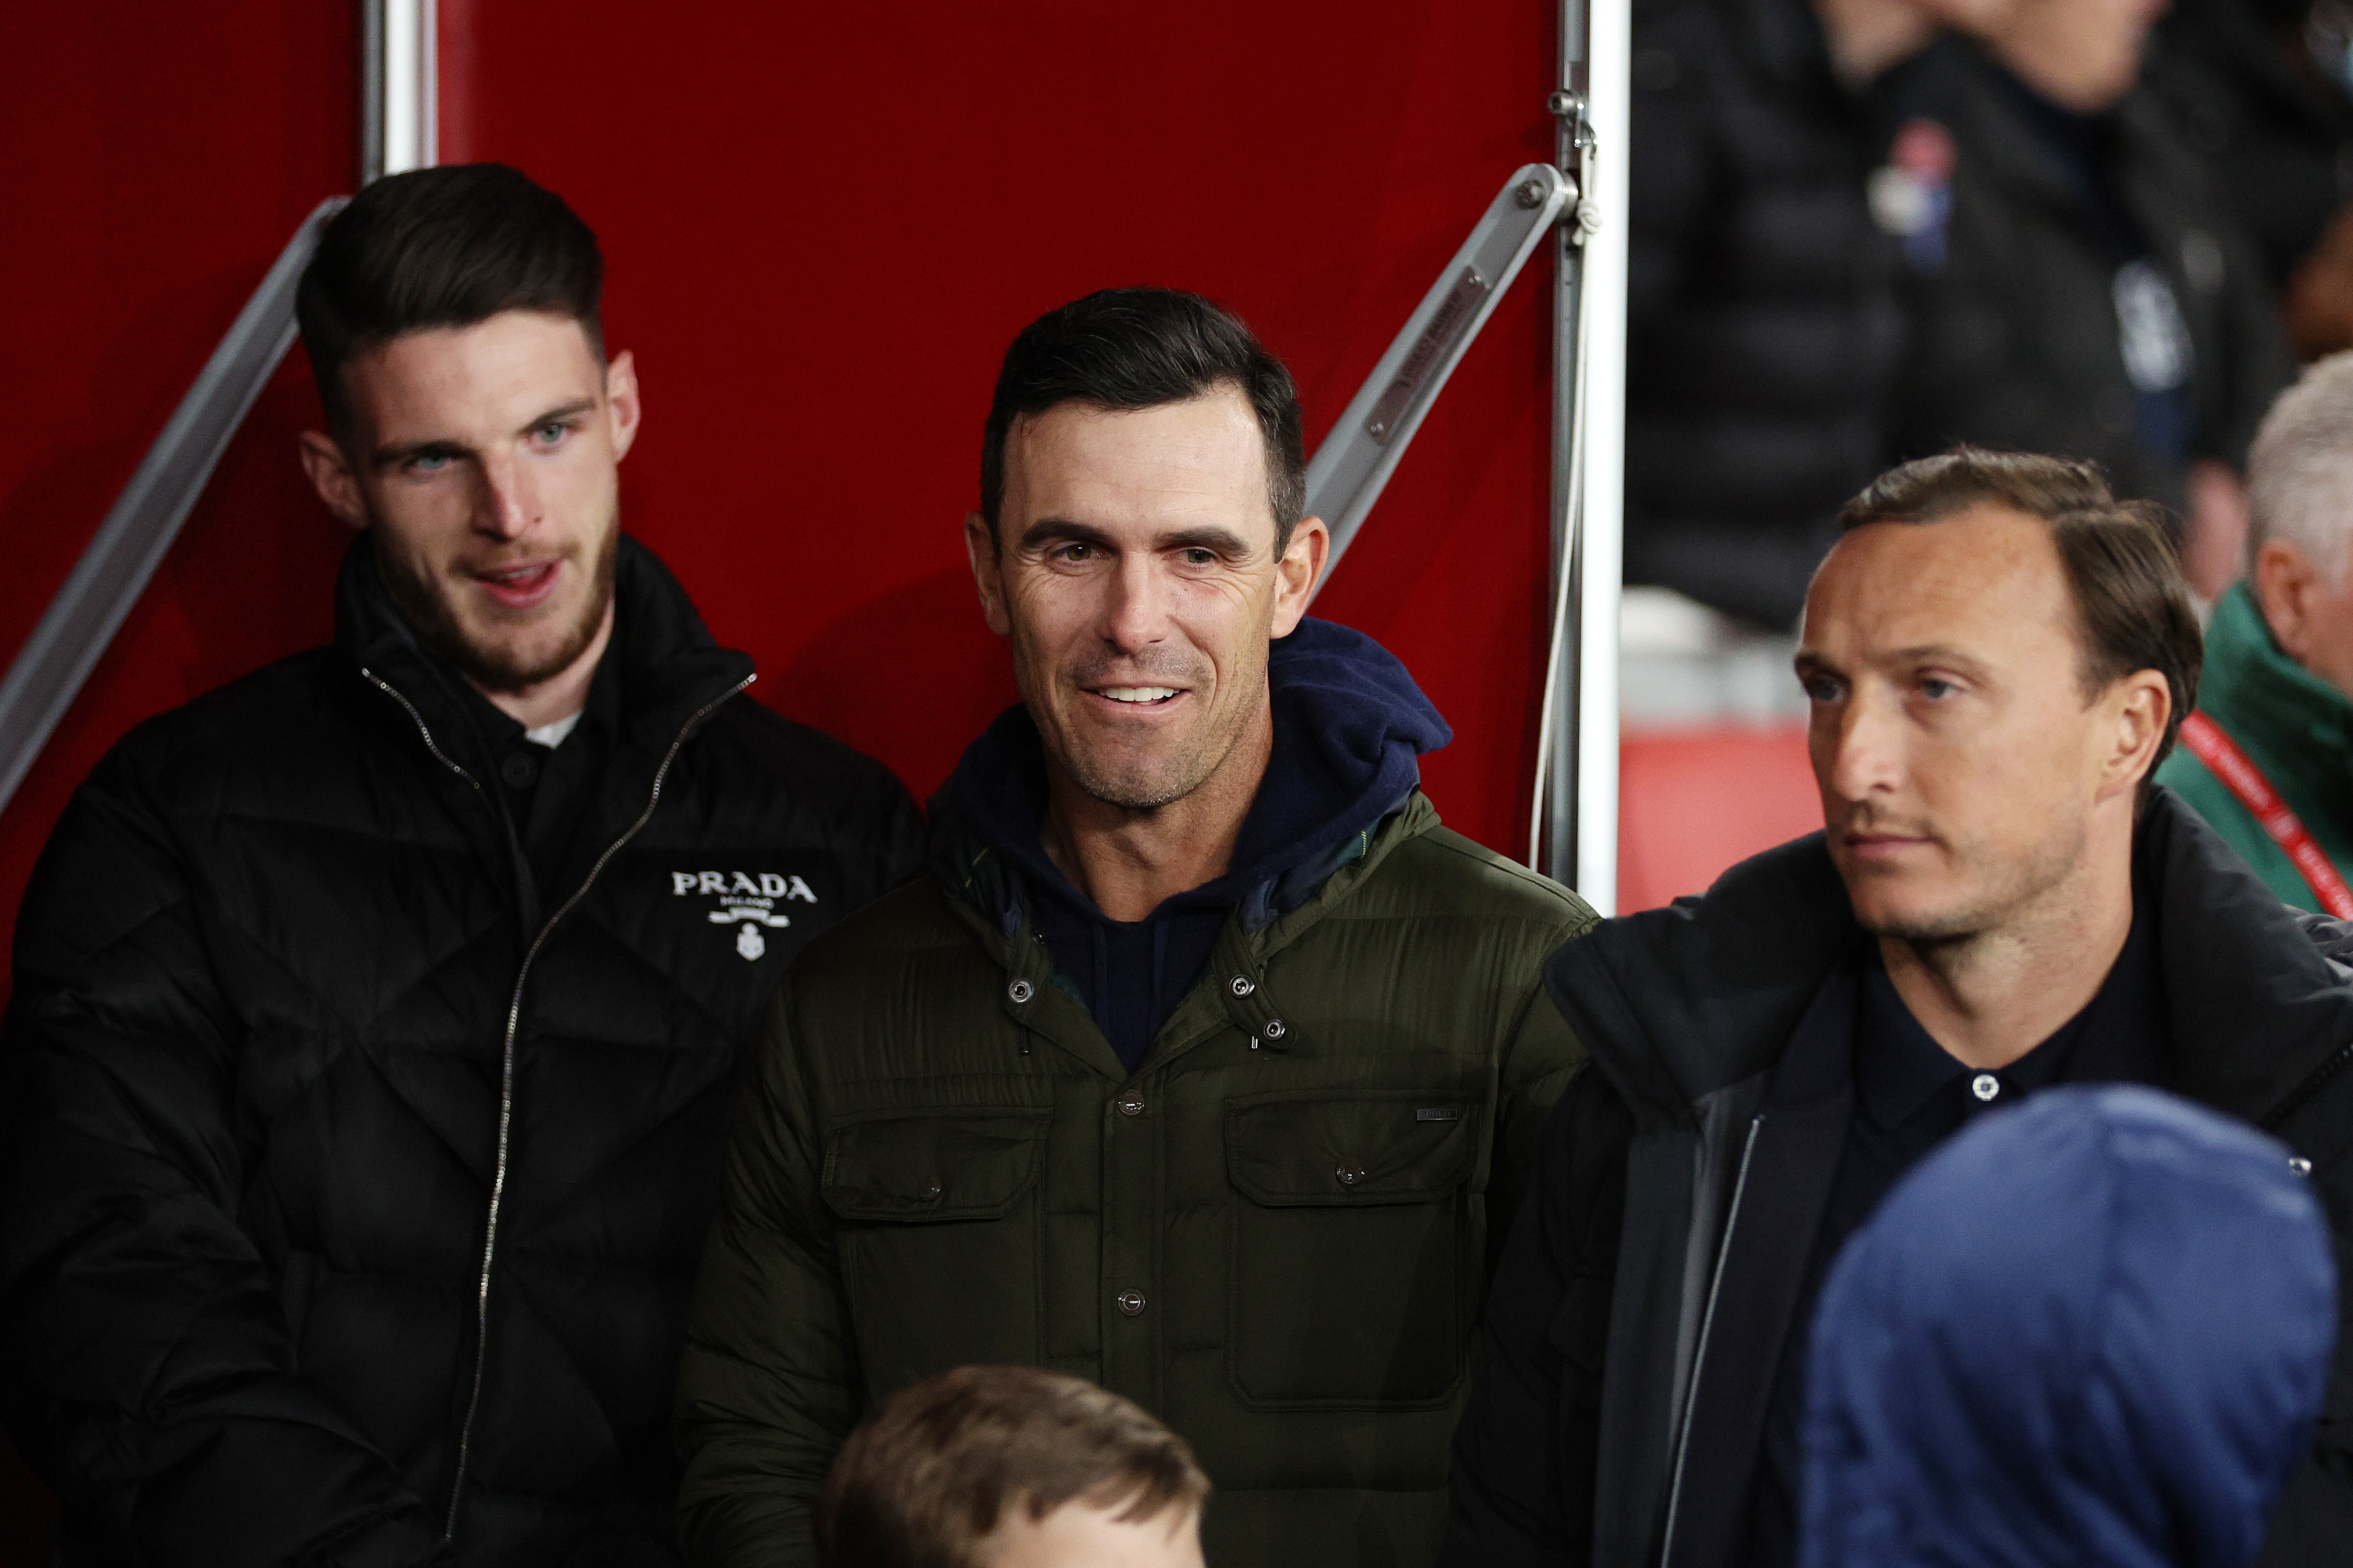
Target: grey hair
2300 473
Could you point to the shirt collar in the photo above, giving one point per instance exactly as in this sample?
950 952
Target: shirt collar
2117 1037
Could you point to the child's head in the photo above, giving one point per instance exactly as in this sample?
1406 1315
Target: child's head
1009 1466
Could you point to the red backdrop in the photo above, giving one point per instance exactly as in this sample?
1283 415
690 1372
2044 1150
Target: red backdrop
822 225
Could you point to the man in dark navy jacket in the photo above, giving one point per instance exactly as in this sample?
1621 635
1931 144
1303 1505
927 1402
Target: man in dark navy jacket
375 1017
1997 654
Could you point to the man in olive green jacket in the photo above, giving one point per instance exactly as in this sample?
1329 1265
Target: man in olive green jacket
2267 758
1203 1063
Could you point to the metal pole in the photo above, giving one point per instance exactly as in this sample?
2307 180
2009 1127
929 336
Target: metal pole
1601 574
399 87
1573 815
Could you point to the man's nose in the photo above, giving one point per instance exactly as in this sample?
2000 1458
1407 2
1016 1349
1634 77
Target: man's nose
506 497
1135 609
1859 746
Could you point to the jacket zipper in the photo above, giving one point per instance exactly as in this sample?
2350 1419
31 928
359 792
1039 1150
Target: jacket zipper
1699 1353
507 1055
2314 1082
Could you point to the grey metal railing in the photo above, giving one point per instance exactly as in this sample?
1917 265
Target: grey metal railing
106 582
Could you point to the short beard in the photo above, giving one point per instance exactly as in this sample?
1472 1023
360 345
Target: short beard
2052 862
490 668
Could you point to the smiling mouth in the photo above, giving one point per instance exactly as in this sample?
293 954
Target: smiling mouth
520 586
1138 696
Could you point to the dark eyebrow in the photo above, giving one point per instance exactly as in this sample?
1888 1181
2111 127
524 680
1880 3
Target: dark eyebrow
1062 530
386 456
1051 529
555 415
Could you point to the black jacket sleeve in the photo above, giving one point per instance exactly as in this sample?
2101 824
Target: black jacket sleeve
148 1369
1524 1455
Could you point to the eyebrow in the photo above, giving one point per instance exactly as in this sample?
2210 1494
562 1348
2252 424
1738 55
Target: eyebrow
442 447
1207 537
1925 653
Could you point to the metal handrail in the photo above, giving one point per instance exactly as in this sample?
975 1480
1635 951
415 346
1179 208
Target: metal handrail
146 517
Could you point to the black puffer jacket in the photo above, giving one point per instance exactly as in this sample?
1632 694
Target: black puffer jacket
253 1087
2017 342
2281 135
1762 321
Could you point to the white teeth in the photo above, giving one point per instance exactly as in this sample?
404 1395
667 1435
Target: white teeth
1138 693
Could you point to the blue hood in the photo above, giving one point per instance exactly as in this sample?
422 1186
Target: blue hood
1350 728
2092 1330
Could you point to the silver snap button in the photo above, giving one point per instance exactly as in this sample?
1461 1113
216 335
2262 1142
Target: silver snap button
2299 1164
1273 1030
1985 1086
1021 990
1130 1105
1243 984
934 1188
1131 1303
1350 1175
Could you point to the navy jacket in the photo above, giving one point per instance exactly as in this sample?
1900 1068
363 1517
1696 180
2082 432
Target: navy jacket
2092 1330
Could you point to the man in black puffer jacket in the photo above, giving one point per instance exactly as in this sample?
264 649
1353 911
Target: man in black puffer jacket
1763 325
377 1015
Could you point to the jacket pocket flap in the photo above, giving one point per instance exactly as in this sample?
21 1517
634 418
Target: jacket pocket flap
932 1165
1338 1150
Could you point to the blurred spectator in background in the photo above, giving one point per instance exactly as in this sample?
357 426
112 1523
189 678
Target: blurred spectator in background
2260 88
2092 1330
2268 756
1763 328
1011 1467
2079 285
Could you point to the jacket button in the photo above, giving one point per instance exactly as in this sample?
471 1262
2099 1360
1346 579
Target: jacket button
518 771
1273 1030
1131 1303
933 1189
1350 1175
1985 1086
1131 1105
1243 984
2299 1164
1021 990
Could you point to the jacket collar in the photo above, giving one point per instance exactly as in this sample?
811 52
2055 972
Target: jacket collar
1678 1003
2247 678
669 669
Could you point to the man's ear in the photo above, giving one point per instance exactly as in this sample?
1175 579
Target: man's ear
621 401
2286 585
2142 703
1296 572
987 571
331 476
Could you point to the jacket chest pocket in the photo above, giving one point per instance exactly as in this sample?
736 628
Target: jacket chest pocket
940 1236
1352 1248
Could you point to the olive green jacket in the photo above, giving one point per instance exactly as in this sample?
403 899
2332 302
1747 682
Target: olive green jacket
2293 725
1275 1234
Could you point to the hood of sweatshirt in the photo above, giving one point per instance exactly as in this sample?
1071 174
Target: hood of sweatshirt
1350 727
2092 1330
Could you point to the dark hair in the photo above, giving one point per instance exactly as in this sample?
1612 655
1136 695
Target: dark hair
443 247
930 1473
1126 349
2131 604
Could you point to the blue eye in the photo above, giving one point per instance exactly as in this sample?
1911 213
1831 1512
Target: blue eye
552 432
429 462
1936 689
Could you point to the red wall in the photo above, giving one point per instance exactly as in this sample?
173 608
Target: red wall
824 224
154 171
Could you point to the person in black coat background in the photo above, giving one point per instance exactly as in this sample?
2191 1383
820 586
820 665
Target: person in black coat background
2076 281
1763 327
2263 90
364 1082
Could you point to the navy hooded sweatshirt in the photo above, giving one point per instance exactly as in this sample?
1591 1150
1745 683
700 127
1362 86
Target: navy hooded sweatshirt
2091 1332
1349 728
